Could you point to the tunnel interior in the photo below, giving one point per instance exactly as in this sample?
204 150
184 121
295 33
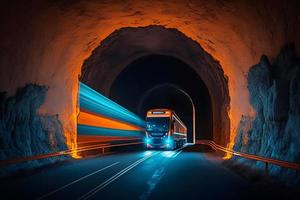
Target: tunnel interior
157 67
158 81
229 69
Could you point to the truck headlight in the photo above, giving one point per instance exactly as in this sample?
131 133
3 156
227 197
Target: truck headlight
168 141
147 140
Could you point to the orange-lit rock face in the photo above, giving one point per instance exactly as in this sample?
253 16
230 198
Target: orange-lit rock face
47 44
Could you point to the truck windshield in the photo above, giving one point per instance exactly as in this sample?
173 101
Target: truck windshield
159 124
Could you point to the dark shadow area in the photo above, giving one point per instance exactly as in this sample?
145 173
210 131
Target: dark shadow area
199 149
269 187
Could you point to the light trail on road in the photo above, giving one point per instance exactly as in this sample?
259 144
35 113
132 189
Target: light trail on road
113 178
76 181
120 173
180 174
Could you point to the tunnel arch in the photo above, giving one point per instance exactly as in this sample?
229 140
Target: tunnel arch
150 72
126 45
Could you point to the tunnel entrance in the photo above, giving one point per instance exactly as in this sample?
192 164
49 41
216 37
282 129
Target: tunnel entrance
158 81
133 65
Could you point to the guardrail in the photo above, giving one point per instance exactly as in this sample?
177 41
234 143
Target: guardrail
267 161
210 143
66 152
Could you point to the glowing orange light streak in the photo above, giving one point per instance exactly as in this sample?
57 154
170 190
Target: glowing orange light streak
101 121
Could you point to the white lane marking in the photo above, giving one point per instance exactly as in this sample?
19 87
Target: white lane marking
159 173
182 147
154 180
75 181
177 154
113 178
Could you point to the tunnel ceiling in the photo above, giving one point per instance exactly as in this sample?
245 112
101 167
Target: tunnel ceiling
156 55
63 34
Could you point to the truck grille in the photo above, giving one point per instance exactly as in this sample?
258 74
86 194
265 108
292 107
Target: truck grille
157 134
157 140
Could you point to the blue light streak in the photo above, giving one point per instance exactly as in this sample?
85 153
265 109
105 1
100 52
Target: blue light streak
94 102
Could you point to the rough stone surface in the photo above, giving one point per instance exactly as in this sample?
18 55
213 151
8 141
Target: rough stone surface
24 132
275 131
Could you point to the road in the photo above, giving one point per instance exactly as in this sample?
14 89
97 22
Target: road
188 173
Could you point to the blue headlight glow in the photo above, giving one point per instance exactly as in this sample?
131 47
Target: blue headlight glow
168 141
147 140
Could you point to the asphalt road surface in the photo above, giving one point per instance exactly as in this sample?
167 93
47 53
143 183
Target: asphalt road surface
186 173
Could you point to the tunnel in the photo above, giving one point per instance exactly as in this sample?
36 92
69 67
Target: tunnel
149 89
129 77
80 78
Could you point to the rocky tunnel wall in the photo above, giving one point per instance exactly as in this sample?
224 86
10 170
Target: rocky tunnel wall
273 132
46 42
